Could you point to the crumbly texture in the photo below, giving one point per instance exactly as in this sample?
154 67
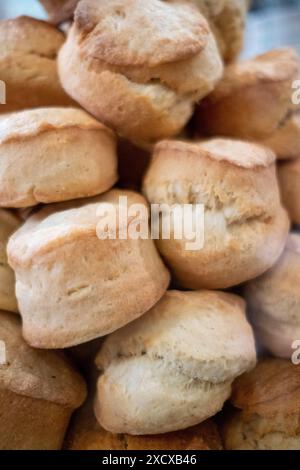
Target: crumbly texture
139 66
253 98
274 301
28 54
285 141
245 227
289 181
66 299
54 154
39 391
267 402
59 10
8 224
173 367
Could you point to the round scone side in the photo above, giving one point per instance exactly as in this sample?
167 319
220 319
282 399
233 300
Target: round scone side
289 182
170 369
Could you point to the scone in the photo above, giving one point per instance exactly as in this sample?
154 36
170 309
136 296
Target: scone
173 367
75 279
244 225
139 66
8 224
227 20
274 302
59 10
54 154
289 182
254 101
28 64
39 391
85 433
267 408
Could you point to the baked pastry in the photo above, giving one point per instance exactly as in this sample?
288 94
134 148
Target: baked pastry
289 182
236 183
139 66
28 64
75 280
267 408
133 162
39 391
8 224
85 433
227 20
274 301
173 367
59 10
253 101
54 154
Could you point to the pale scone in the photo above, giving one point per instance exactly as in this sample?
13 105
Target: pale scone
173 367
244 226
8 224
39 390
289 182
227 19
59 10
81 275
267 408
139 66
274 302
254 101
85 433
54 154
28 66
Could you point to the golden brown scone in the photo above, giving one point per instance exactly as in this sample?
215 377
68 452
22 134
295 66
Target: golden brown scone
139 66
28 64
85 433
245 227
254 101
59 10
54 154
267 402
38 390
8 224
227 19
173 367
274 301
73 286
289 182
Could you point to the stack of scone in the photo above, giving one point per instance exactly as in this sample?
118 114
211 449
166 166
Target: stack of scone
148 322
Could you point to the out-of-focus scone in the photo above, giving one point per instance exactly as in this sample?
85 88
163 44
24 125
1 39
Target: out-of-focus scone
173 367
28 65
8 224
75 279
39 390
85 433
54 154
254 101
227 19
59 10
244 226
267 408
139 66
289 182
274 302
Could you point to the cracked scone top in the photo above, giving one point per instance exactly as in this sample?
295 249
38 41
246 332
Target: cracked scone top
245 227
254 101
139 66
173 367
54 154
266 411
72 283
28 65
274 301
39 391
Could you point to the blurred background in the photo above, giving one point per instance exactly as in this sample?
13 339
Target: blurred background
271 23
